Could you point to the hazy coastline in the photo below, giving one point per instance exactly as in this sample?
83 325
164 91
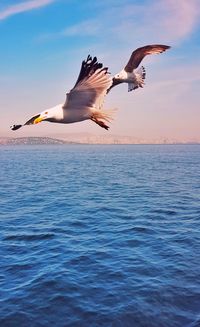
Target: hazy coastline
86 139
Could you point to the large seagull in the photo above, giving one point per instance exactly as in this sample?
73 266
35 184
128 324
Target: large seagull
130 74
84 101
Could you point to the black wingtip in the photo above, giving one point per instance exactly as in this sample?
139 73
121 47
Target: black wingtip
15 127
88 58
165 47
88 67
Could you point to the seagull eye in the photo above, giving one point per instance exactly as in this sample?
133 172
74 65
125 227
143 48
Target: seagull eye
46 112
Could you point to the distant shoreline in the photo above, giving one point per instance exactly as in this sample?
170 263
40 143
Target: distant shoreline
56 141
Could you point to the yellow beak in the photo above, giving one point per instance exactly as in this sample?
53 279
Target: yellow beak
38 120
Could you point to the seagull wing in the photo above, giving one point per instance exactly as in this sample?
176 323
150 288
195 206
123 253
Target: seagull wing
87 67
90 88
140 53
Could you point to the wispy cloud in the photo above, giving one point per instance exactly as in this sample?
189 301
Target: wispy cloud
90 27
176 20
22 7
166 20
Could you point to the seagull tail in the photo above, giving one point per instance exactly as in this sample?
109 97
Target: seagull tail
140 75
100 117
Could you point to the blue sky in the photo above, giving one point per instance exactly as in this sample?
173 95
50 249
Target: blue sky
44 41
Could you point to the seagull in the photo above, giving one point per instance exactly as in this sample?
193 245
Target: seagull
84 101
135 78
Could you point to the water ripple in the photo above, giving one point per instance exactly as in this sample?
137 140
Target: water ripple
28 237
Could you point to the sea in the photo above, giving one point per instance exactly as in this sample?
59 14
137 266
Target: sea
100 236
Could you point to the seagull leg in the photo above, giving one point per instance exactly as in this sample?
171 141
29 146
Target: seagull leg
99 122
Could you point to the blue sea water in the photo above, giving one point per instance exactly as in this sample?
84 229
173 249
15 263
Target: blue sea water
100 235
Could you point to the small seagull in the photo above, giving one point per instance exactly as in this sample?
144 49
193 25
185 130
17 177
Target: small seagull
135 78
84 101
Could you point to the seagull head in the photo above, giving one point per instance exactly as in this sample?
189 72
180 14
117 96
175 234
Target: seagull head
41 117
120 76
54 114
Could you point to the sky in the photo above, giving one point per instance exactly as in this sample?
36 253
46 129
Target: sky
43 43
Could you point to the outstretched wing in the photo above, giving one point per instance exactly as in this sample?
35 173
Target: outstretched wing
91 86
140 53
87 67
